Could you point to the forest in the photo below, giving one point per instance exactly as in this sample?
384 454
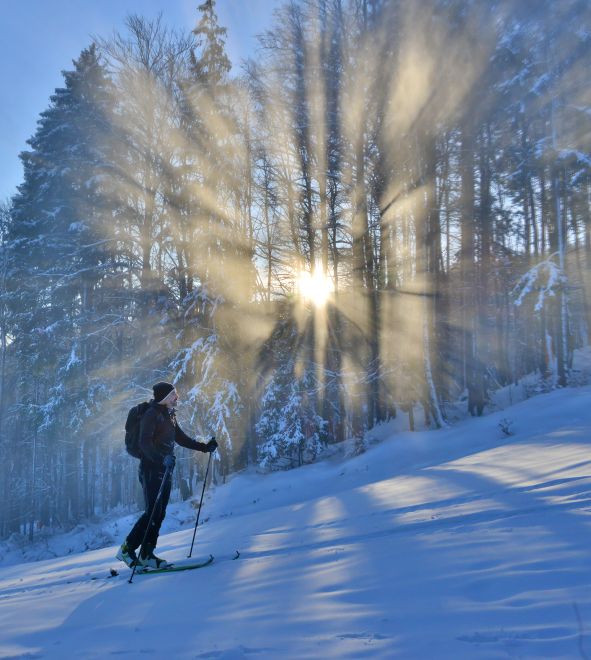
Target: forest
385 212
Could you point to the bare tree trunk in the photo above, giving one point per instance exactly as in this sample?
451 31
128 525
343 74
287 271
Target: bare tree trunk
562 312
467 264
426 218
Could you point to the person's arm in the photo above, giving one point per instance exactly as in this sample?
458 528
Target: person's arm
147 433
184 440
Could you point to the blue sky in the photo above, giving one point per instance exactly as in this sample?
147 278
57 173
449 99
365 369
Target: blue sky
40 38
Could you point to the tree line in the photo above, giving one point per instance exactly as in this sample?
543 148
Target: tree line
427 162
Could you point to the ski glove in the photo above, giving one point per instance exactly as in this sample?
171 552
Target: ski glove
212 445
169 461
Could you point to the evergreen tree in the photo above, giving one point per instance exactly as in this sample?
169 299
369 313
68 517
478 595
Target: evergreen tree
210 69
59 257
209 340
289 429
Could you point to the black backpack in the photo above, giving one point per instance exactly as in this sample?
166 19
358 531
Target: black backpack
132 429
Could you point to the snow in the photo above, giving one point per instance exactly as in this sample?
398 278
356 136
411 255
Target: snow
545 277
73 359
582 158
540 84
457 543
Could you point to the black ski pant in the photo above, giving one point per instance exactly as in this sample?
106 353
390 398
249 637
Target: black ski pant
151 479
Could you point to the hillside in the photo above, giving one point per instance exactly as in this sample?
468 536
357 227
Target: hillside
458 543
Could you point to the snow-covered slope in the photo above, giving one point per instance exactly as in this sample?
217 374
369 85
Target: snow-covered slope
459 543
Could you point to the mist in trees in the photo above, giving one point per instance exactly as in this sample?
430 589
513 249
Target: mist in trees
385 212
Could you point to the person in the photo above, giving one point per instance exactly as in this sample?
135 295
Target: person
159 430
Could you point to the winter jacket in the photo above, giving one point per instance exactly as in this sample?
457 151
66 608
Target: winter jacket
159 431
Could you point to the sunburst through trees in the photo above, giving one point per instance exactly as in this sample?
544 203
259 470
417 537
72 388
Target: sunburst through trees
385 213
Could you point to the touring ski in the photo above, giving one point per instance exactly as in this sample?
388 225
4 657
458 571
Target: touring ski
181 566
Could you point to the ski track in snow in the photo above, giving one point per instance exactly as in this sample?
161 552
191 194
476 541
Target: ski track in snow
459 543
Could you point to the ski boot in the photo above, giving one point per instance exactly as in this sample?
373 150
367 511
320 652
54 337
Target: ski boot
127 555
148 559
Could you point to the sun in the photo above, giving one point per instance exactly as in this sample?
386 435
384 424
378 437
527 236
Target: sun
315 287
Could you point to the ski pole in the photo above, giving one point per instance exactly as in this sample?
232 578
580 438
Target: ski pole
199 510
158 497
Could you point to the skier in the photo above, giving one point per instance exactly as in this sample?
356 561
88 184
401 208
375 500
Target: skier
159 431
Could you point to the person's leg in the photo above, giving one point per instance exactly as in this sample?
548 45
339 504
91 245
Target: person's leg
159 514
150 480
127 551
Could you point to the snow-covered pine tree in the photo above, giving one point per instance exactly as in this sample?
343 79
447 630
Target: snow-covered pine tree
289 430
59 257
539 292
210 247
206 370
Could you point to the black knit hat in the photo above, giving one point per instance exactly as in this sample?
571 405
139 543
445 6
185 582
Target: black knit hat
162 390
